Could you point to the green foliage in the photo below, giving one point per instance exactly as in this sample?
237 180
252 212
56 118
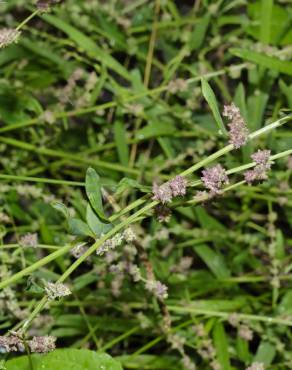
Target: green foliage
73 359
93 191
84 136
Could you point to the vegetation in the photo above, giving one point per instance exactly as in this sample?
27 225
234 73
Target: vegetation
146 164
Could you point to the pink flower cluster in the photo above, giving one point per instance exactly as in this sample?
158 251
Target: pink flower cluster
259 172
213 178
238 131
173 188
13 343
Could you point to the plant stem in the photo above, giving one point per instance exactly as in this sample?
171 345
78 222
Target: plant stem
23 23
41 180
225 315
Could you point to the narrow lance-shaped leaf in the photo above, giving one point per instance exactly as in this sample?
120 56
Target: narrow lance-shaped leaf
263 60
93 191
212 101
121 142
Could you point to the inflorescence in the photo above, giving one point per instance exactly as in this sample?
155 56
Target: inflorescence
238 131
56 290
213 178
170 189
259 172
8 36
13 343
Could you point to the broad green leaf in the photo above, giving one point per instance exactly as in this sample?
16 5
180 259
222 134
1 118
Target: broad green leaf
79 228
60 207
69 359
213 260
265 353
212 101
93 192
121 142
221 346
96 226
87 44
263 60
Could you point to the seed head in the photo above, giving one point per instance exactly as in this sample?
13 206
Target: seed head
178 186
162 212
178 85
110 244
29 240
173 188
214 177
11 343
78 250
8 36
56 290
157 288
245 332
261 157
42 344
238 131
259 172
129 235
162 193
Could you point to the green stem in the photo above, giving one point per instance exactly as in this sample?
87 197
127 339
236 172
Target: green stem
41 180
28 270
225 315
23 23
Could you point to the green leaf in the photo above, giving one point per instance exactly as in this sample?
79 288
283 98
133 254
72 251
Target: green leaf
88 45
264 60
95 224
93 191
221 345
212 101
60 207
213 260
121 142
78 227
69 359
280 22
265 353
154 129
198 35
